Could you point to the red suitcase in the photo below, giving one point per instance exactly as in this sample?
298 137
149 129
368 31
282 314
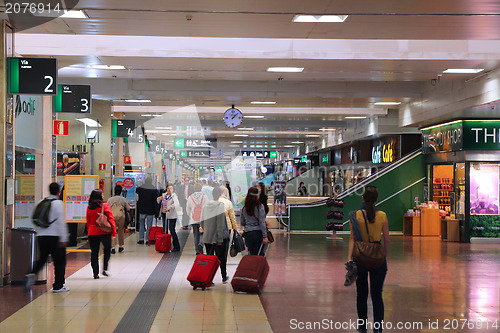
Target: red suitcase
152 234
251 274
203 271
163 243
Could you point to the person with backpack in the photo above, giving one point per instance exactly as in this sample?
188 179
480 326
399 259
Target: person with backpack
100 231
52 233
119 207
194 207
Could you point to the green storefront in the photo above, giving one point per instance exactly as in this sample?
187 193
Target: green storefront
463 174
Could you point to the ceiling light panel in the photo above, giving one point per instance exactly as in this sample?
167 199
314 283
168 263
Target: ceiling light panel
320 18
106 66
262 103
463 70
286 69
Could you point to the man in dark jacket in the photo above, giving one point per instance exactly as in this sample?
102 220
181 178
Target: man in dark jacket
147 206
183 192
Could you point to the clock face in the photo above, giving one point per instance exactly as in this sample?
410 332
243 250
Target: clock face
233 117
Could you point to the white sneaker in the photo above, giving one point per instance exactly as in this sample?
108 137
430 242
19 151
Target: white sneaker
29 280
62 290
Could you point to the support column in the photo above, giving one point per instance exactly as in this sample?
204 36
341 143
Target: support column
118 150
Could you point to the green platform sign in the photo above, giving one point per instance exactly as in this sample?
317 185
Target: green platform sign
121 128
178 143
33 76
73 99
273 154
184 154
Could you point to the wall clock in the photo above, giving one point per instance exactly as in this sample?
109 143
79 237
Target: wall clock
233 117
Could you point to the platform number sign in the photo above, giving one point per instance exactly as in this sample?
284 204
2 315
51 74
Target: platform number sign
33 76
123 129
73 99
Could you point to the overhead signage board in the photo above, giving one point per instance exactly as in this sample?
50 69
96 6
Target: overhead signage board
155 146
73 99
123 128
181 143
296 160
195 153
325 159
446 137
33 76
273 154
481 135
304 159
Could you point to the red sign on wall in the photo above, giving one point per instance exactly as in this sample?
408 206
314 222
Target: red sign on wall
61 127
127 159
102 166
148 164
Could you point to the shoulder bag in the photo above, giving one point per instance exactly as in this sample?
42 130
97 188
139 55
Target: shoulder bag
102 221
368 254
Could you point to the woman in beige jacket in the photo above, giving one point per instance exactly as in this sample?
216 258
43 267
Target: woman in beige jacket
229 209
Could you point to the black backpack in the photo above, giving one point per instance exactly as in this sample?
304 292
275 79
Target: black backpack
42 212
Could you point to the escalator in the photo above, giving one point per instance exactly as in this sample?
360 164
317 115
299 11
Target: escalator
398 186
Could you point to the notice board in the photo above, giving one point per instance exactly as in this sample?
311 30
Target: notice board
77 191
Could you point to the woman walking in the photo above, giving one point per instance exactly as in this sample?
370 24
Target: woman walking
170 211
195 204
253 219
376 223
96 235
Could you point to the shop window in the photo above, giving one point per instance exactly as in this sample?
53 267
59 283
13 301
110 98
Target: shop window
443 186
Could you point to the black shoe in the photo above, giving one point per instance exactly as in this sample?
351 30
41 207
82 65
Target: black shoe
175 250
120 249
147 243
225 278
96 276
105 273
113 251
140 242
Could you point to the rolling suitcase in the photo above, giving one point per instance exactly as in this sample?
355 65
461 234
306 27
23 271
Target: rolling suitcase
153 231
163 243
251 273
203 271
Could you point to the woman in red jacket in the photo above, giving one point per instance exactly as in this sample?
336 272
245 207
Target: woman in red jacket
96 235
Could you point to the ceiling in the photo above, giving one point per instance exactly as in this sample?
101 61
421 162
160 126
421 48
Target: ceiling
214 54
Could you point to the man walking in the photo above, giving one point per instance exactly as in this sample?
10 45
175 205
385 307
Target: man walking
52 232
185 191
147 207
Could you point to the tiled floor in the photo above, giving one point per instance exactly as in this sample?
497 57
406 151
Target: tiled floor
427 281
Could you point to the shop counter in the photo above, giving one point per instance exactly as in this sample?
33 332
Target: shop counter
411 225
430 222
450 230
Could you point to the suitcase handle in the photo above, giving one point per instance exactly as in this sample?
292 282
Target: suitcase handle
267 249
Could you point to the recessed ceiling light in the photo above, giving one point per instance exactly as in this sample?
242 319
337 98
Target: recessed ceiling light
263 103
156 115
355 117
236 141
106 67
297 142
138 100
463 70
146 115
286 69
243 135
327 129
245 128
320 18
234 146
253 117
163 127
289 146
89 122
74 14
312 136
387 103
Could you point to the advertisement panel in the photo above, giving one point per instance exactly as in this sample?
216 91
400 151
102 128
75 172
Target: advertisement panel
279 198
128 188
484 189
243 175
70 164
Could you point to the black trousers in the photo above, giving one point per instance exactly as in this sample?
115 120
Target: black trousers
95 242
377 278
50 245
253 240
221 252
170 224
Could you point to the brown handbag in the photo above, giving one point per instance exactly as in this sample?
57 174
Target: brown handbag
368 254
102 221
270 236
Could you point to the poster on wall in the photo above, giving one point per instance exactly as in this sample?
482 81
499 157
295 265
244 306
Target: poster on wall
279 198
484 189
76 196
243 175
70 164
24 203
128 189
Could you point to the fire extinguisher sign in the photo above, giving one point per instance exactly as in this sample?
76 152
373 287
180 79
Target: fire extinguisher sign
60 127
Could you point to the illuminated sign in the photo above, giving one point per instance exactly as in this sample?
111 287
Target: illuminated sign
384 153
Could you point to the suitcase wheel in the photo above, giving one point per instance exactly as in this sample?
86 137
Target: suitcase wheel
194 287
203 288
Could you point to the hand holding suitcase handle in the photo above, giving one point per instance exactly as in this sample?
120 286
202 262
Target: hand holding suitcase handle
267 249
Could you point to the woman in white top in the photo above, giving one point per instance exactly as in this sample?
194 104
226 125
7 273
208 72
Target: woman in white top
170 211
194 207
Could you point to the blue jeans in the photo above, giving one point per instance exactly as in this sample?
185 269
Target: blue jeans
377 277
148 219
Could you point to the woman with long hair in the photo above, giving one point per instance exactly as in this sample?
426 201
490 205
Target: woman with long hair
96 235
376 222
170 211
253 220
